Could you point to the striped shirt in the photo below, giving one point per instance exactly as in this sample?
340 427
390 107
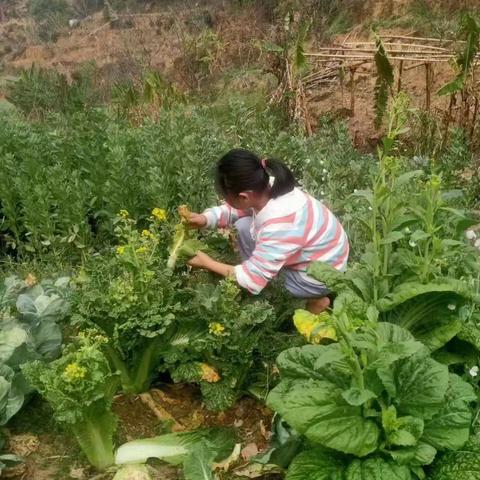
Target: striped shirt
291 231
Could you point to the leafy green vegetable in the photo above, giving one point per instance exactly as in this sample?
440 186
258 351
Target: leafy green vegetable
315 464
80 386
462 464
285 444
183 246
377 469
198 463
376 391
174 448
316 409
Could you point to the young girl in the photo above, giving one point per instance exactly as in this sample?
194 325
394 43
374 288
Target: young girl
279 227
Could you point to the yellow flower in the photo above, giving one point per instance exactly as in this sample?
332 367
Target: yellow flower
314 327
216 328
31 280
159 214
147 234
101 339
209 374
121 250
123 213
141 250
74 372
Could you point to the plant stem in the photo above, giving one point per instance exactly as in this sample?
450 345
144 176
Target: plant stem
96 443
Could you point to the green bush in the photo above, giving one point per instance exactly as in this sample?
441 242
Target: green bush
65 179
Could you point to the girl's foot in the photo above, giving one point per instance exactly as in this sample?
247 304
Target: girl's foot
318 305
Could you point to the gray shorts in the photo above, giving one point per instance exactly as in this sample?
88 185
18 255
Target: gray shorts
299 284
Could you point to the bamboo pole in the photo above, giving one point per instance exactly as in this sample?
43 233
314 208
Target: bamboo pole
374 50
425 39
364 57
412 45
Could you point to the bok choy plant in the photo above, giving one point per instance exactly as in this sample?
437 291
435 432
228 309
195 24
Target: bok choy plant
410 270
373 405
196 451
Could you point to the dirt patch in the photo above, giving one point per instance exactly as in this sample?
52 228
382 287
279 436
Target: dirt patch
249 418
50 454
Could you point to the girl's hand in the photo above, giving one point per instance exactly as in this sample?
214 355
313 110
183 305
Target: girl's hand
200 260
197 220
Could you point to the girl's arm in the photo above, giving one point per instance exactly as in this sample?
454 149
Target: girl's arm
202 260
224 216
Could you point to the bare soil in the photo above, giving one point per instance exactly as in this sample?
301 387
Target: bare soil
51 454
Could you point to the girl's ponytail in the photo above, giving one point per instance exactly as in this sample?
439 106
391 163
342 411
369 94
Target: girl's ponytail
281 179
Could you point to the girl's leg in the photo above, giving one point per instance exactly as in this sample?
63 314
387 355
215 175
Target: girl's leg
246 244
315 293
318 305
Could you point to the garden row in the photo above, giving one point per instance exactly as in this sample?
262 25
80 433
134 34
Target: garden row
384 386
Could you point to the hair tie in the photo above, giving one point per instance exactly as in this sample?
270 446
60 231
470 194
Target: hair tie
271 178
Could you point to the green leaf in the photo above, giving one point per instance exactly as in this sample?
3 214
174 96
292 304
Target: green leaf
407 177
284 445
471 31
392 237
418 455
315 464
419 235
316 409
462 464
401 431
11 394
391 352
432 312
377 469
95 434
328 354
11 337
182 246
449 429
356 396
418 384
198 464
299 362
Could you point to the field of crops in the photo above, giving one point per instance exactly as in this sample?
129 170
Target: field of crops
120 361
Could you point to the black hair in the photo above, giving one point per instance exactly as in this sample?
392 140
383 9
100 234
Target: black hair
240 170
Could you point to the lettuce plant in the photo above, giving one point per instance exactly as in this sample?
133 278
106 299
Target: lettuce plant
79 387
373 405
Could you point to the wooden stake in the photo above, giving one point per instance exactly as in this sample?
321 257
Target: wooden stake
352 91
400 71
474 119
428 83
